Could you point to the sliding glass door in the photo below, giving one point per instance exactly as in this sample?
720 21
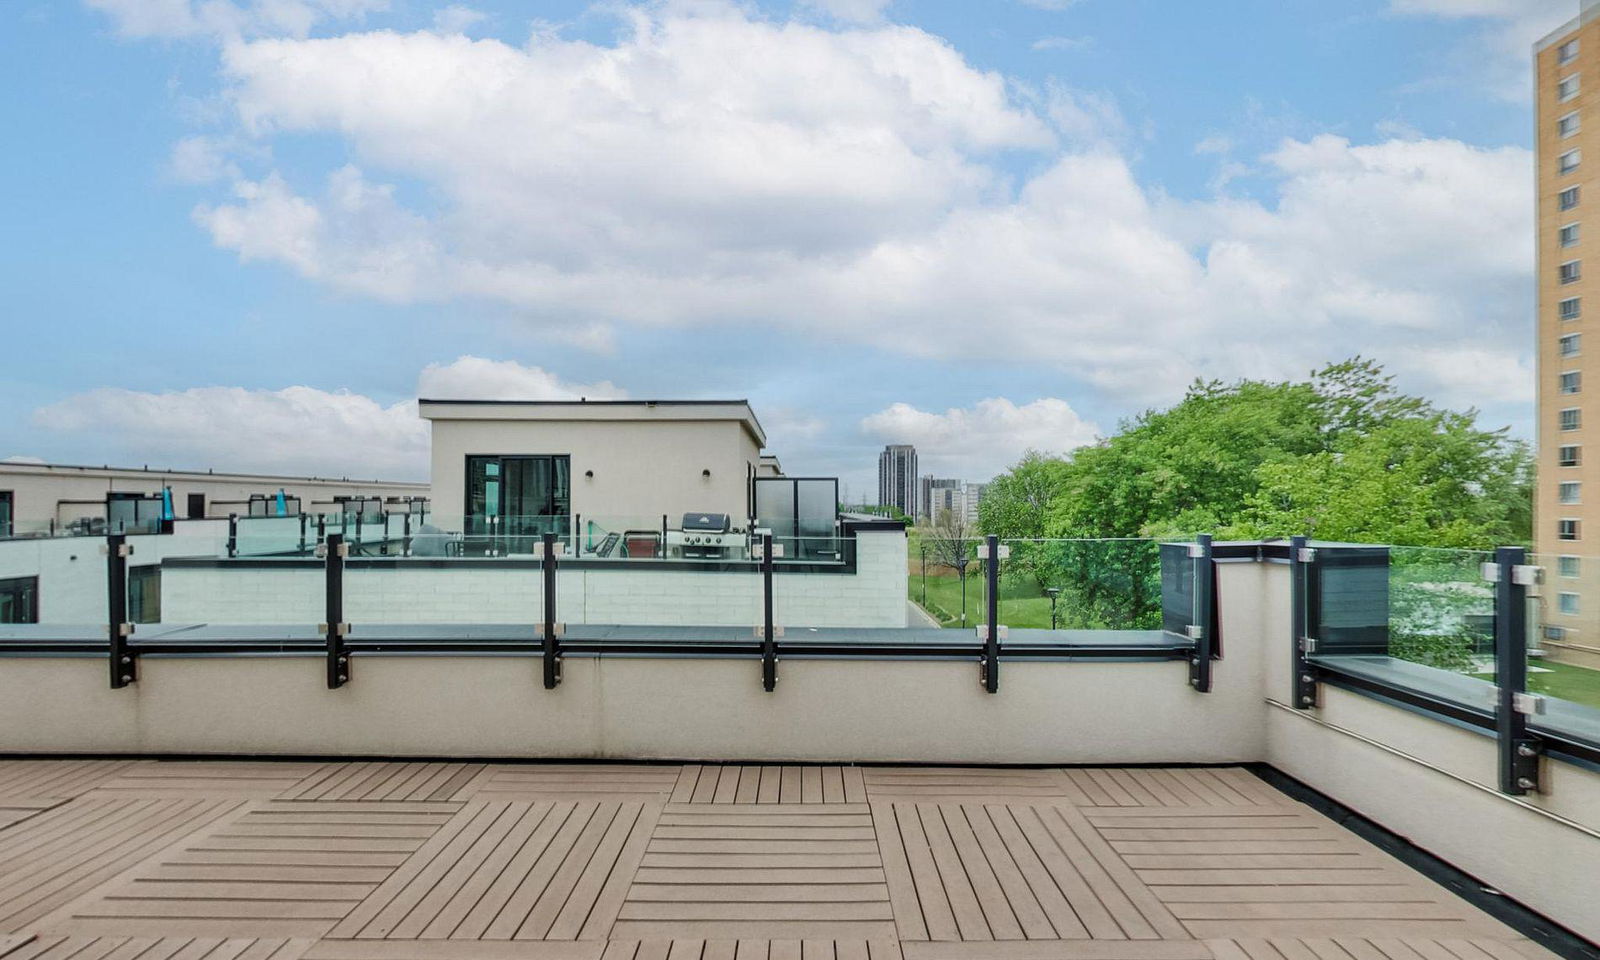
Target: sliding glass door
512 500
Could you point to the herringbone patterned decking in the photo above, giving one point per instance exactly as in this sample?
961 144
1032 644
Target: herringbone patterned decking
381 860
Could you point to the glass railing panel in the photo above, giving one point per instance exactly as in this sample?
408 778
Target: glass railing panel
1418 618
260 537
1564 645
946 578
1080 585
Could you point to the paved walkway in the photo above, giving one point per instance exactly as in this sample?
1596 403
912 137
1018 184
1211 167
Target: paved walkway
234 860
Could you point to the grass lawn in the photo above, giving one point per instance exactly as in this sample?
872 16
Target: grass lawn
1562 681
1021 603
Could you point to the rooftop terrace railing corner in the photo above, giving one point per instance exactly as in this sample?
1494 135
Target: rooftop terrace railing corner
1414 627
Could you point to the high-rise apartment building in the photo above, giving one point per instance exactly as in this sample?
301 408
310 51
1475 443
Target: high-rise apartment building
897 478
1567 146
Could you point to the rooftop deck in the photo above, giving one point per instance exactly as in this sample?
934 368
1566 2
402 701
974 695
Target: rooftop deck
239 860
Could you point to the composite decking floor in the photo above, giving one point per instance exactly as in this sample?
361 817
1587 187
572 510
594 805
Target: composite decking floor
398 860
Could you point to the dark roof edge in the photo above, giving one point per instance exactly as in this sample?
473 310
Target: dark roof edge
591 403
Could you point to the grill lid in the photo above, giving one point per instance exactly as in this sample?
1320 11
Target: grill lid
713 522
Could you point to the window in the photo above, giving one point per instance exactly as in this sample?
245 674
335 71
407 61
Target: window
1572 308
1569 567
1555 633
515 499
1569 491
1569 235
1569 456
1571 381
1567 52
19 600
1571 271
1569 604
1571 419
1569 198
144 594
1567 88
1570 344
7 511
1569 161
1568 125
1567 529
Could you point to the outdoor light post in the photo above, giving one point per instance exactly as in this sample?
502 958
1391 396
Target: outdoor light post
1052 593
961 573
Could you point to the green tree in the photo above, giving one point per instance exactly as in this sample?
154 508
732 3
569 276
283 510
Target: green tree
1015 503
1340 455
1430 480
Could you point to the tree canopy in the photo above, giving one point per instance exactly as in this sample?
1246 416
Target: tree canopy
1342 455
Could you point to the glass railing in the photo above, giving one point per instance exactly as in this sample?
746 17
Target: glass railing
1051 584
1564 645
1419 618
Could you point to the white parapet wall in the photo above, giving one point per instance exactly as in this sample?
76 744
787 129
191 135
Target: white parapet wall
71 571
871 594
1435 784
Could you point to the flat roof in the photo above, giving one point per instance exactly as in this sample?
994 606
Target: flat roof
1588 10
595 410
26 466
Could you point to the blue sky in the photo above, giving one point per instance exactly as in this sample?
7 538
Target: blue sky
234 234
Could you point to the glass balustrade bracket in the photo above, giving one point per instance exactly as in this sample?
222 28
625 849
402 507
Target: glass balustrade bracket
333 552
123 666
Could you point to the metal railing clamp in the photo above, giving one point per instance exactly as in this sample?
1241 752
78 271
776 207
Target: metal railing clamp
1302 560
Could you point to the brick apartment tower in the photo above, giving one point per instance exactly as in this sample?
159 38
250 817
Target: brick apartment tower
1566 522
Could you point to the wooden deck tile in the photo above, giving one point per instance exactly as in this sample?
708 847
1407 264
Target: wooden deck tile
383 780
774 783
280 869
14 810
64 853
572 781
935 783
62 779
513 870
158 948
1377 948
806 871
212 778
1009 871
1279 871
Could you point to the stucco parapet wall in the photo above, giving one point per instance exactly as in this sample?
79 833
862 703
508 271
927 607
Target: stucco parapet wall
596 411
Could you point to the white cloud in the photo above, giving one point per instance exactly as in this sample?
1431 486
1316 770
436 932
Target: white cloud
851 11
1062 43
476 378
977 442
21 458
293 430
845 185
1497 57
201 159
300 429
457 18
227 19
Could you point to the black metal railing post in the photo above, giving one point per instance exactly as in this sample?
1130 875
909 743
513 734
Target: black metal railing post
405 543
120 656
1204 628
1519 751
302 533
991 632
551 646
334 550
769 639
233 535
1301 558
